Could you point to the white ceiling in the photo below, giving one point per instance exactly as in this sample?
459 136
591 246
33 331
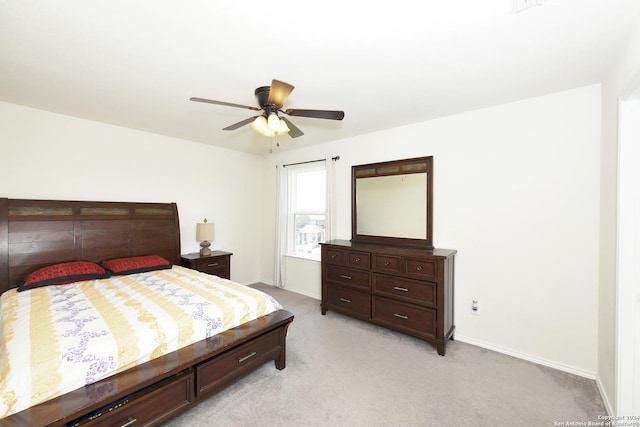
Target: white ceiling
385 63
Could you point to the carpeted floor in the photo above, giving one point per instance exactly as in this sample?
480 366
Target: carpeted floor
344 372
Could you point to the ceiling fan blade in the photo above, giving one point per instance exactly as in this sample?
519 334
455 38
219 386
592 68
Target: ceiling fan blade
294 132
279 92
227 104
240 124
317 114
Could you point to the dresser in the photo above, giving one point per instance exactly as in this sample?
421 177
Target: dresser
218 263
406 289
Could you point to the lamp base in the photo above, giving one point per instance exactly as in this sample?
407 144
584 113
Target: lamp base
204 248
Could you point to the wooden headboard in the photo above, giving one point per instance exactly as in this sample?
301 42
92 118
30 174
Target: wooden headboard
35 233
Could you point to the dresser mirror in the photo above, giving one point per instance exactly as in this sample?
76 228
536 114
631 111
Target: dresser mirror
392 202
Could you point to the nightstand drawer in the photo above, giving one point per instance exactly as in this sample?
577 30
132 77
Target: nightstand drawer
218 263
218 266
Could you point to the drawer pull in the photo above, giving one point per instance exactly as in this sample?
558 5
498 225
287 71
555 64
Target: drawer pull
345 300
248 356
398 288
333 256
215 264
358 259
401 316
344 276
419 268
129 422
386 263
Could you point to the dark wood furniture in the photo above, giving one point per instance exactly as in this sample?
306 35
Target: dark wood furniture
392 202
218 263
389 273
34 233
406 289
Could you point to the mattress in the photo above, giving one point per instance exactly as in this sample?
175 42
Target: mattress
56 339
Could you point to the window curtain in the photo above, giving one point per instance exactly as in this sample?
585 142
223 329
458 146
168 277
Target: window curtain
330 211
280 226
282 201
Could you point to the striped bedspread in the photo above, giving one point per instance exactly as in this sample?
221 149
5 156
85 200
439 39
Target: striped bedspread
58 338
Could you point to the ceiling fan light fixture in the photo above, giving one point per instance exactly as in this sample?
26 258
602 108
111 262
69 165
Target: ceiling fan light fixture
282 128
270 127
260 125
273 122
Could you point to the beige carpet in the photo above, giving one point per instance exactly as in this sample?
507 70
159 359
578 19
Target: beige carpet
344 372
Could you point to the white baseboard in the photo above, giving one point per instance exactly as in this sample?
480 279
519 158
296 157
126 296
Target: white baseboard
605 397
524 356
539 361
302 292
296 291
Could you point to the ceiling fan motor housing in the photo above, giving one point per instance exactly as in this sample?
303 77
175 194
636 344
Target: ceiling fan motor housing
262 94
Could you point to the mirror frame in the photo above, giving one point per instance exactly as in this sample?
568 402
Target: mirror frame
394 167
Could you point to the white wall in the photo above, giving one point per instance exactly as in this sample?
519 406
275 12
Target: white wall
51 156
516 192
628 259
622 79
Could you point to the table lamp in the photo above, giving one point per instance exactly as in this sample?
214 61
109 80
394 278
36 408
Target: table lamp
204 235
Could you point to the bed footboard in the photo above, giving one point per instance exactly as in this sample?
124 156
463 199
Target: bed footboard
164 387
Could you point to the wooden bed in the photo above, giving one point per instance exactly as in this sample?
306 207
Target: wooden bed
35 233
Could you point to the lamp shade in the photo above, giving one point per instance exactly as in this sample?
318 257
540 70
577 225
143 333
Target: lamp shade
204 231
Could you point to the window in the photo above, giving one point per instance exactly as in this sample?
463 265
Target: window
306 209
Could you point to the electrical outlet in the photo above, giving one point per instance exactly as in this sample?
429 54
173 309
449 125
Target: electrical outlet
475 309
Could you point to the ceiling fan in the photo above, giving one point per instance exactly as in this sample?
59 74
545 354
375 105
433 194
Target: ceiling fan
271 99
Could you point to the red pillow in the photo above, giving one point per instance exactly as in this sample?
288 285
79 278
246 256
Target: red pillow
63 273
137 264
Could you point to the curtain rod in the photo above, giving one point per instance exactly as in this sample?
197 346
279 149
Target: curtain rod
336 158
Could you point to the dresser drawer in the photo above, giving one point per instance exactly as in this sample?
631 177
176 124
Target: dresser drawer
333 256
427 269
386 264
347 258
350 300
223 369
406 289
358 260
150 409
405 317
347 276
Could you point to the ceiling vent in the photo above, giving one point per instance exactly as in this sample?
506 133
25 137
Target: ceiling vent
521 5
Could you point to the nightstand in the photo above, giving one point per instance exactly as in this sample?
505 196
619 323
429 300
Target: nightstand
218 263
